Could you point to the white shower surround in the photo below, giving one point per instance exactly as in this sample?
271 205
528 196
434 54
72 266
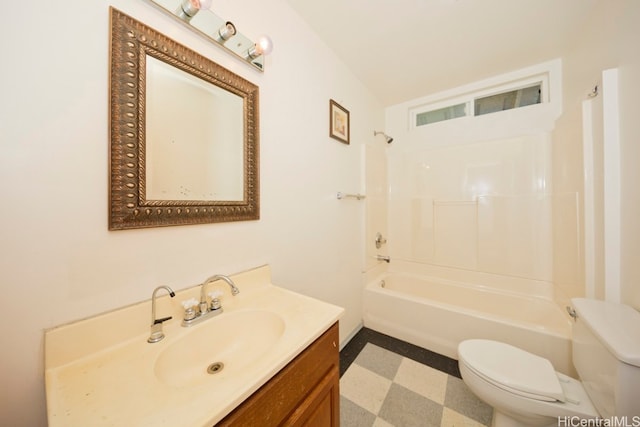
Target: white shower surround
473 225
484 206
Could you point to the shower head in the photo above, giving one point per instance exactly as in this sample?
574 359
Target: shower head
387 137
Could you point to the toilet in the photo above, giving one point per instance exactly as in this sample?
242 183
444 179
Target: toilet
525 390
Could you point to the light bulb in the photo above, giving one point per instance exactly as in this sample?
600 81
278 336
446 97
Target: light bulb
189 8
264 46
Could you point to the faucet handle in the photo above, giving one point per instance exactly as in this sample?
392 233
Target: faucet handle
215 294
189 303
162 320
215 299
190 306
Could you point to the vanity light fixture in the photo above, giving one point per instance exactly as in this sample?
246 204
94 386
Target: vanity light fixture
189 8
217 30
227 31
264 46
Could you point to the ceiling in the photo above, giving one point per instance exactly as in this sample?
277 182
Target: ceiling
404 49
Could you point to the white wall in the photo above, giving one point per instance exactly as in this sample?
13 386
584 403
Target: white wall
60 263
629 66
608 40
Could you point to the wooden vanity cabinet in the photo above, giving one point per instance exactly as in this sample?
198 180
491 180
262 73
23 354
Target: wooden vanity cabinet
304 393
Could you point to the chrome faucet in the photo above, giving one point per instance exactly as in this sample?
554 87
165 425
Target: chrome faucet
156 324
384 258
203 299
204 310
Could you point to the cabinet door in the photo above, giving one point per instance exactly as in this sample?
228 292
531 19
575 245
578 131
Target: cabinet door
321 407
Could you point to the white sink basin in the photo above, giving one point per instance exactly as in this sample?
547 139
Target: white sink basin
103 369
219 347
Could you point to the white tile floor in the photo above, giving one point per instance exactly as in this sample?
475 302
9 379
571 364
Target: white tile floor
382 388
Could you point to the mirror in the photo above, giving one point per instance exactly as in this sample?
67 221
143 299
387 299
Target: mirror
184 115
184 134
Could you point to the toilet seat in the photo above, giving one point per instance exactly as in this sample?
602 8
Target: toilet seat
512 369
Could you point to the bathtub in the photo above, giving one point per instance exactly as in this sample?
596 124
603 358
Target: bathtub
437 314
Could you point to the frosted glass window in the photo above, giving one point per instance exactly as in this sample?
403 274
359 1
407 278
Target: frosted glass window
441 114
508 100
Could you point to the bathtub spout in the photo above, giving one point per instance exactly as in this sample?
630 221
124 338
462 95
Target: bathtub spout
383 258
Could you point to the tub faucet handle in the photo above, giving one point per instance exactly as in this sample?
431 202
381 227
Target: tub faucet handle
380 240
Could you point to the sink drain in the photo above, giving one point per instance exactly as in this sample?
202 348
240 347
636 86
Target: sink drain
214 368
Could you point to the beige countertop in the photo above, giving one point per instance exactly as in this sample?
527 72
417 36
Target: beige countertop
102 371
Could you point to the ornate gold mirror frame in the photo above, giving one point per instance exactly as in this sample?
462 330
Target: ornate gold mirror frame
131 43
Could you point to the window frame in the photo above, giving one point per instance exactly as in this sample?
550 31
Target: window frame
469 98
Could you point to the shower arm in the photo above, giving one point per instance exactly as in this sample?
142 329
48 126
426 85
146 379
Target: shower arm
387 137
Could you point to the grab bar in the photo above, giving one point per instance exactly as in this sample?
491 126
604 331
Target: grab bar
342 195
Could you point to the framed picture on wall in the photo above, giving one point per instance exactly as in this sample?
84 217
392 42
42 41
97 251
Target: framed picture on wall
338 122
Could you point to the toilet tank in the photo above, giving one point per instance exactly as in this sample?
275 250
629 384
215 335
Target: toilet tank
606 355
